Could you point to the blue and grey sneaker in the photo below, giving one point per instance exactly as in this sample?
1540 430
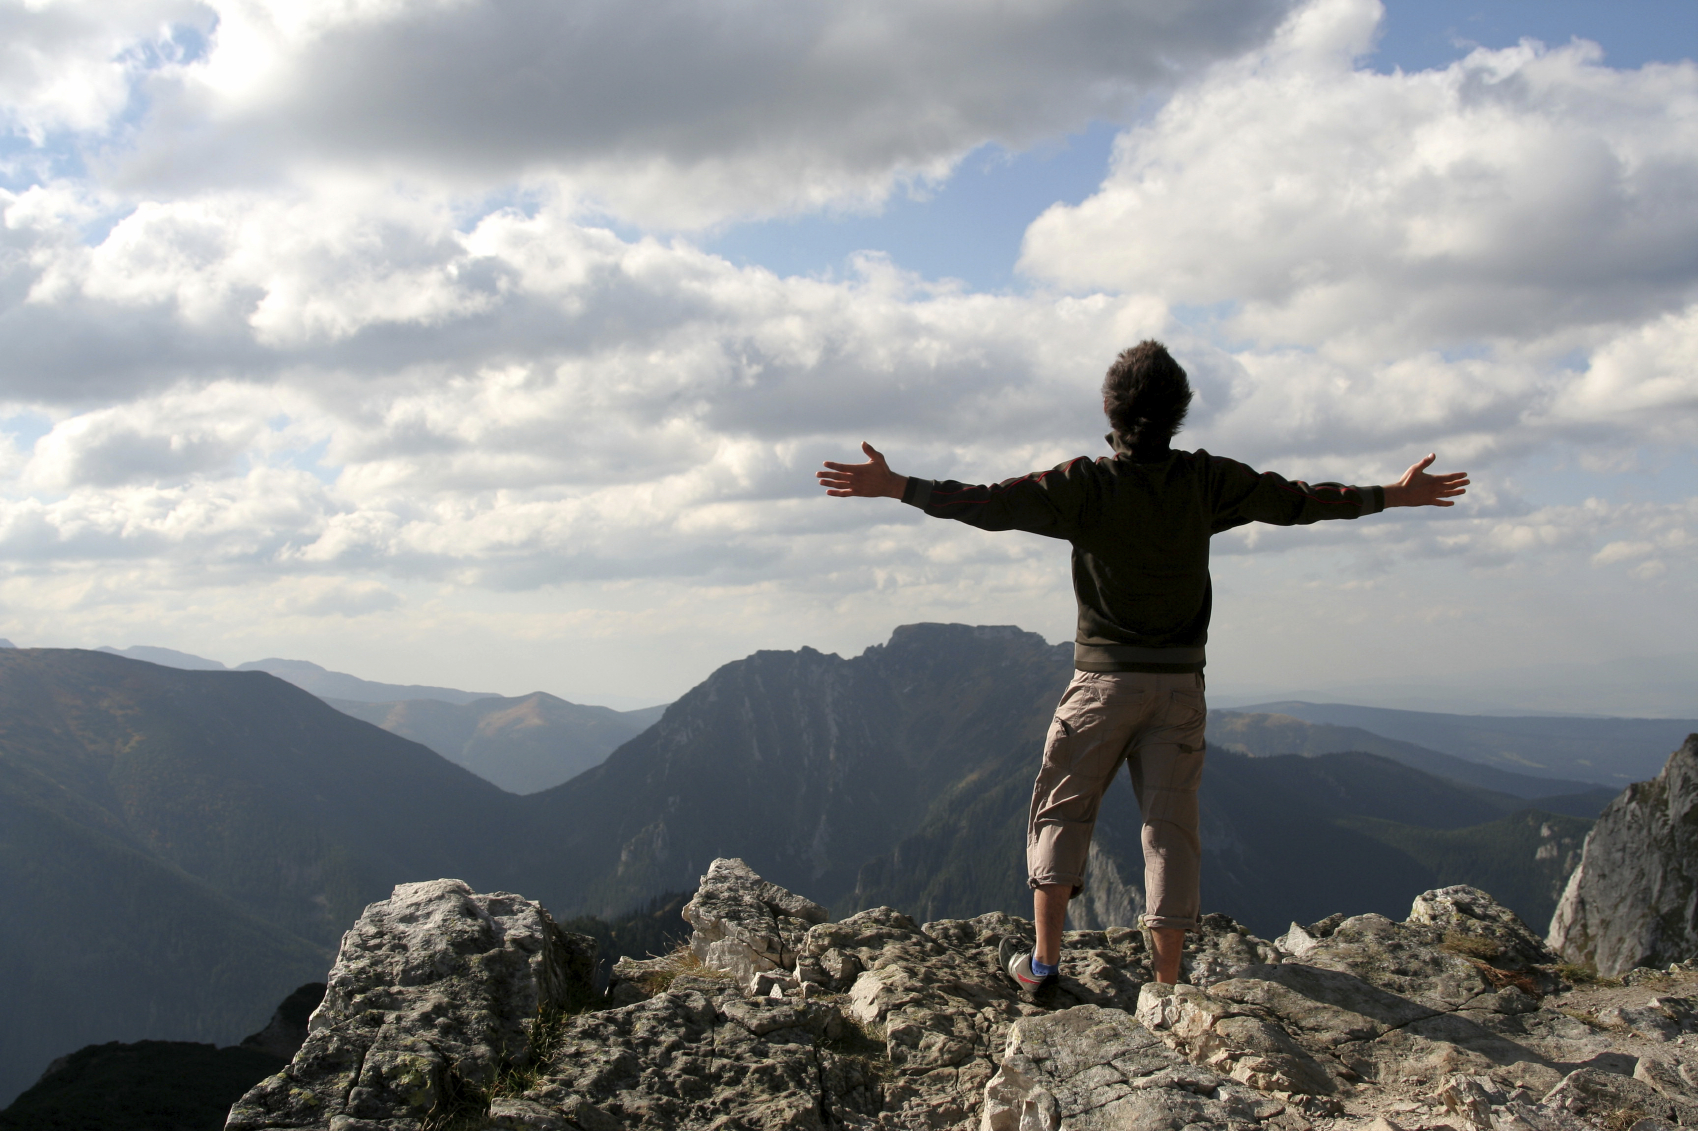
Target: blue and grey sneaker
1014 959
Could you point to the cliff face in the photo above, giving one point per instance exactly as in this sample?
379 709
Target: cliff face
1633 901
804 763
452 1009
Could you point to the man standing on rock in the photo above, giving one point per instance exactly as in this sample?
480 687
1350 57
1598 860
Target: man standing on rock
1140 522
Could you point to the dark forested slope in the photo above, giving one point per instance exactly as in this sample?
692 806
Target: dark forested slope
180 848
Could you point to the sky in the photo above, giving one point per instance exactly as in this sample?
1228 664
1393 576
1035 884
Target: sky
493 343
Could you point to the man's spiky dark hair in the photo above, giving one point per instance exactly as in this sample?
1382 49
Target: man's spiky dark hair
1146 394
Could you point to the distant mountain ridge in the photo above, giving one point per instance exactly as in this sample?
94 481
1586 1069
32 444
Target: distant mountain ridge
1264 734
1607 751
523 744
927 745
326 684
304 674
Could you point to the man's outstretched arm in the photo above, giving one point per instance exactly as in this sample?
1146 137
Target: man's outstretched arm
1418 489
872 480
1244 495
1043 502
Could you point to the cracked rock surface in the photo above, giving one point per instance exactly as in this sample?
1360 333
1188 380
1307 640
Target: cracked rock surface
778 1020
433 989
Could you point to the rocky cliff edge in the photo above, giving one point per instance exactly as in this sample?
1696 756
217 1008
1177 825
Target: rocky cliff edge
452 1009
1633 900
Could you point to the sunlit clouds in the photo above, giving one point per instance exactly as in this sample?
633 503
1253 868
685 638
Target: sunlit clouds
385 330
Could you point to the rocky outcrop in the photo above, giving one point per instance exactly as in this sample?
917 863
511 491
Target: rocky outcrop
743 925
1633 901
775 1019
435 991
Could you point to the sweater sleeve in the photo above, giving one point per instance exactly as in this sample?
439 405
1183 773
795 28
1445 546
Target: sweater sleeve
1055 503
1241 495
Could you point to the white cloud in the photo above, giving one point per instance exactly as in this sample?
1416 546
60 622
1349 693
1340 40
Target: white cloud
166 439
674 112
1648 374
71 64
1527 195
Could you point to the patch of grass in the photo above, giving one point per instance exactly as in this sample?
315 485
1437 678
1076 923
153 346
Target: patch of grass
545 1031
464 1106
1623 1119
664 970
1470 946
460 1105
1577 974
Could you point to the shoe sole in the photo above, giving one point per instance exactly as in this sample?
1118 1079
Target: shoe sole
1012 946
1006 952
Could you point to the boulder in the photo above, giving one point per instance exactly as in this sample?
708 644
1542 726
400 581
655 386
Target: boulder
1633 900
1237 1040
434 992
744 925
1088 1068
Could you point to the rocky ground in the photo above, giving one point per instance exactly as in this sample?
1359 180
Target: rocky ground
452 1009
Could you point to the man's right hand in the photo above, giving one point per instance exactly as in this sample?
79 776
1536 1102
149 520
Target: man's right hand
872 480
1418 489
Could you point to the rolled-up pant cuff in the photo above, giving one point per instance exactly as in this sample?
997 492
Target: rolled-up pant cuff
1072 880
1169 922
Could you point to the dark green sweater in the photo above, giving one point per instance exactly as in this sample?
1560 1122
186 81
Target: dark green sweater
1140 527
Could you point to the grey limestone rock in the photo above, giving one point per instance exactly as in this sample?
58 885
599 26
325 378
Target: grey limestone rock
434 989
685 1059
1633 901
744 925
1089 1068
1453 1018
1237 1039
1590 1092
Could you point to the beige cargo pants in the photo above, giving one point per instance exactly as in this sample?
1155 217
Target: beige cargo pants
1154 723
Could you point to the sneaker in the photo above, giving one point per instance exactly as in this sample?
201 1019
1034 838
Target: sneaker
1014 959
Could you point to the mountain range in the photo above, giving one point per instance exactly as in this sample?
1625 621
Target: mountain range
1611 752
528 743
1265 732
303 674
522 744
190 844
1655 686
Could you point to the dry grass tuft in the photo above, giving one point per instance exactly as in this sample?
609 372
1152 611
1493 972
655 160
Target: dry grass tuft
1576 974
663 971
1470 946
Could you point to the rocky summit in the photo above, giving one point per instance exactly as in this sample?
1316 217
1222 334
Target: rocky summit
452 1009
